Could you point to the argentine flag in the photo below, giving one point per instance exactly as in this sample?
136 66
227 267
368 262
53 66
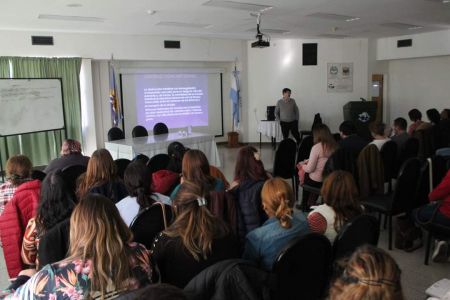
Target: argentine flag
235 97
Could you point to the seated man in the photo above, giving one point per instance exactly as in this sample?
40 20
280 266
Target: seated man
350 140
399 133
70 156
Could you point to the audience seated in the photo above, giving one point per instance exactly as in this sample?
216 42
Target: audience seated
160 291
176 152
17 213
18 171
164 181
349 139
55 207
444 126
101 258
312 168
70 156
378 131
399 133
249 177
195 168
371 273
216 173
101 178
341 204
417 124
434 116
264 243
194 241
138 181
440 215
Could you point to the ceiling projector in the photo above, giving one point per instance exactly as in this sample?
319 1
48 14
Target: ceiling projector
262 40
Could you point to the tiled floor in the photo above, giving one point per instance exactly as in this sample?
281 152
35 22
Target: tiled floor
416 277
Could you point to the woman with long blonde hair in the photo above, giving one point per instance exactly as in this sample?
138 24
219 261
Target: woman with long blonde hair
101 178
194 241
370 274
102 259
264 243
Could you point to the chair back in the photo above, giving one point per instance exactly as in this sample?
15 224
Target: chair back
158 162
370 172
423 186
426 142
337 137
305 148
341 159
302 268
71 174
121 165
38 174
284 162
363 229
115 133
142 158
388 154
149 222
406 186
160 128
139 131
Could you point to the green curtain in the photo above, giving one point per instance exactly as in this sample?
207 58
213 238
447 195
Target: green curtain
10 141
44 146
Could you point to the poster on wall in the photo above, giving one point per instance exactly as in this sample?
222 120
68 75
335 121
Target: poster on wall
339 77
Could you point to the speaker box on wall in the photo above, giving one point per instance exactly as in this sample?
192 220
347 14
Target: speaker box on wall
310 54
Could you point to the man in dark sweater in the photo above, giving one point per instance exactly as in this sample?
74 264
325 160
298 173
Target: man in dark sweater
70 156
288 115
400 135
350 140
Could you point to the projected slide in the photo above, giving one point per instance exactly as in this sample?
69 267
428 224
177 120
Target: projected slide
177 100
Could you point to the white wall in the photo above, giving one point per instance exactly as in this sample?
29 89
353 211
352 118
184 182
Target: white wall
272 69
420 83
135 48
423 45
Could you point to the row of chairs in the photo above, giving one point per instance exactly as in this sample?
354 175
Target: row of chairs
115 133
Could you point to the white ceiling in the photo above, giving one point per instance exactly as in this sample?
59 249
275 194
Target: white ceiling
131 17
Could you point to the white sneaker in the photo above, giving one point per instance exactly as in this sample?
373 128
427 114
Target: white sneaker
440 252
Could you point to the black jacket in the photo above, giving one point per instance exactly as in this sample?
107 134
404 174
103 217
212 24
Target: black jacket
54 244
235 279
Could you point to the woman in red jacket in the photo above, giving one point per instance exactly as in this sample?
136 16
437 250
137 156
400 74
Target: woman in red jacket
441 214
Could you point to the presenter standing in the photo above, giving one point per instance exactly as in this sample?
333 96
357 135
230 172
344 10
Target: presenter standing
288 115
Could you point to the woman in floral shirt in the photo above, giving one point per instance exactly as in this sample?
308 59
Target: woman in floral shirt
100 247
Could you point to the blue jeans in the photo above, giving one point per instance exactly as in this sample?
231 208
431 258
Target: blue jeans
423 215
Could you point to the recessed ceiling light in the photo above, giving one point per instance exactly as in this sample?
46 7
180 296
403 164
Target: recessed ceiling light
238 5
333 17
71 18
182 24
352 19
445 1
415 27
151 12
74 5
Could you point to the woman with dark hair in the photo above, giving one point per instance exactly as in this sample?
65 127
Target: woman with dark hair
54 210
434 116
101 178
70 156
176 151
264 243
341 204
101 258
157 216
417 124
249 178
195 168
371 273
194 241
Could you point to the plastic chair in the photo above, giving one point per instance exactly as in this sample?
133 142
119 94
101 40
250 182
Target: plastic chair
363 229
160 128
115 133
284 161
402 200
38 174
121 165
388 154
71 174
158 162
302 268
139 131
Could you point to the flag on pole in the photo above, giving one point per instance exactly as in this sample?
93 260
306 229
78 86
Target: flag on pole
235 97
113 99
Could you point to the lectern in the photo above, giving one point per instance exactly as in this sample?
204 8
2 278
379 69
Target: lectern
361 113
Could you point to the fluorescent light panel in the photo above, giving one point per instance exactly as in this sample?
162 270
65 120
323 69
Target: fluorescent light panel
402 26
70 18
333 17
181 24
237 5
333 36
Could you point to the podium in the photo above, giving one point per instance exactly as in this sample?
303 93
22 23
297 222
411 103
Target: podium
361 113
